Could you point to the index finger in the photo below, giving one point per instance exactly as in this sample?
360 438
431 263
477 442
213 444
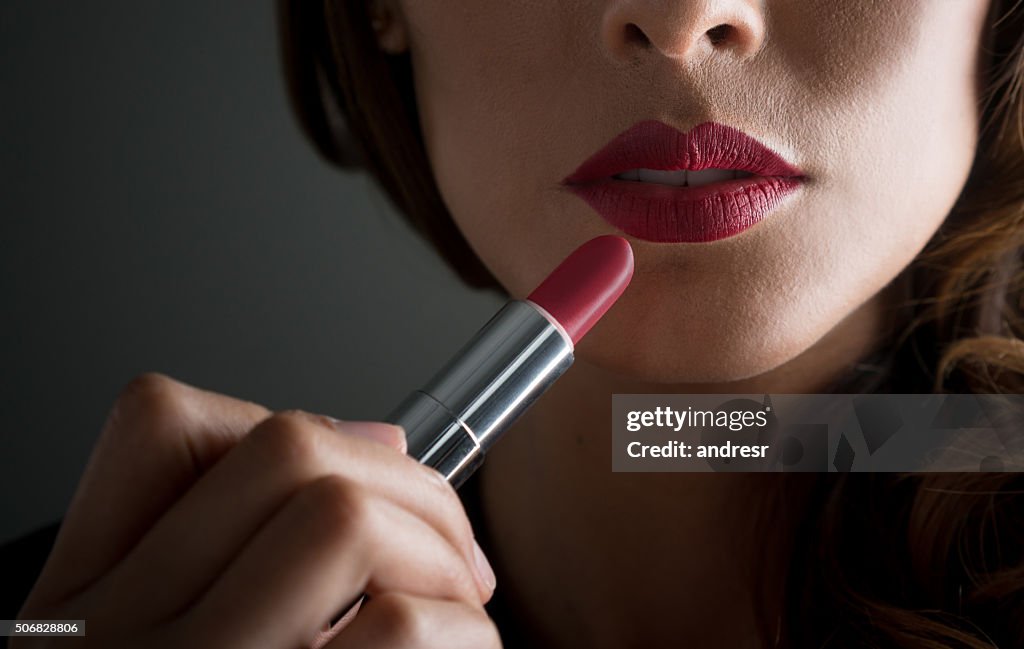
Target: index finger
159 437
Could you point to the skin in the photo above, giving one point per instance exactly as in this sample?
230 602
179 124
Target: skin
874 101
205 521
514 96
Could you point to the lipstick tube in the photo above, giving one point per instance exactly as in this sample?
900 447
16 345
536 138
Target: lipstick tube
455 419
458 416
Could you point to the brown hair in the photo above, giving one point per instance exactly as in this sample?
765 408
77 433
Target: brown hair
357 105
935 560
931 560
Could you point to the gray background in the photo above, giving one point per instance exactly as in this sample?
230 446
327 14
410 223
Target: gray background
161 211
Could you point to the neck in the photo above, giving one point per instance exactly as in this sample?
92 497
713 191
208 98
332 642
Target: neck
593 558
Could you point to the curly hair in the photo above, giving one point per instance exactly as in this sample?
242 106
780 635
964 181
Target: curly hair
884 560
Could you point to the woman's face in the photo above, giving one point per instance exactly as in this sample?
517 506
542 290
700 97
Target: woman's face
873 102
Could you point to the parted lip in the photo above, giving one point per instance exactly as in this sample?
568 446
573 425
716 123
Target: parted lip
688 213
652 144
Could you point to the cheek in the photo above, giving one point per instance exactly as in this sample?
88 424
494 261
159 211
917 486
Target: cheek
887 129
891 107
899 135
499 95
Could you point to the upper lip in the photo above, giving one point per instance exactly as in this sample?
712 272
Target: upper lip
652 144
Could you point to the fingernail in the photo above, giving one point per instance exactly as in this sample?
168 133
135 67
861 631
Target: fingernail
483 567
387 434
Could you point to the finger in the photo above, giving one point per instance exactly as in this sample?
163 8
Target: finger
329 543
387 434
207 528
158 438
401 621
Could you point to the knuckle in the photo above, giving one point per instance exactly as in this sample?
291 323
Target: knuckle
458 577
483 630
455 583
407 623
150 385
404 621
287 437
450 505
150 397
438 487
339 507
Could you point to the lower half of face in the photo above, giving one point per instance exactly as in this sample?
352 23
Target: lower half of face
875 105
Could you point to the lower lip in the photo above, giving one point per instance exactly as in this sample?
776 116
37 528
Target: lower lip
667 214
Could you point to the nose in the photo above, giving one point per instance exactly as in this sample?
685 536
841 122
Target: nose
685 30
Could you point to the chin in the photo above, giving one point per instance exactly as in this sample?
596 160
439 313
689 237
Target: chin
657 346
682 358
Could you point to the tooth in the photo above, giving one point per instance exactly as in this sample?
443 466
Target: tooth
663 176
708 176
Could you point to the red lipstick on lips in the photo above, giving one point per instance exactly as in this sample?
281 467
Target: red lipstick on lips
674 213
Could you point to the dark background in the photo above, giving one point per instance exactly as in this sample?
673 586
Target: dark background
162 211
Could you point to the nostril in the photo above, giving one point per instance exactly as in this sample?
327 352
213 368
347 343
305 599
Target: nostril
635 35
719 34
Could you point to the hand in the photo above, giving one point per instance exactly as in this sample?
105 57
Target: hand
205 521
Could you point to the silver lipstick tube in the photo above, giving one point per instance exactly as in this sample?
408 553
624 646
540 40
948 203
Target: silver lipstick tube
452 422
